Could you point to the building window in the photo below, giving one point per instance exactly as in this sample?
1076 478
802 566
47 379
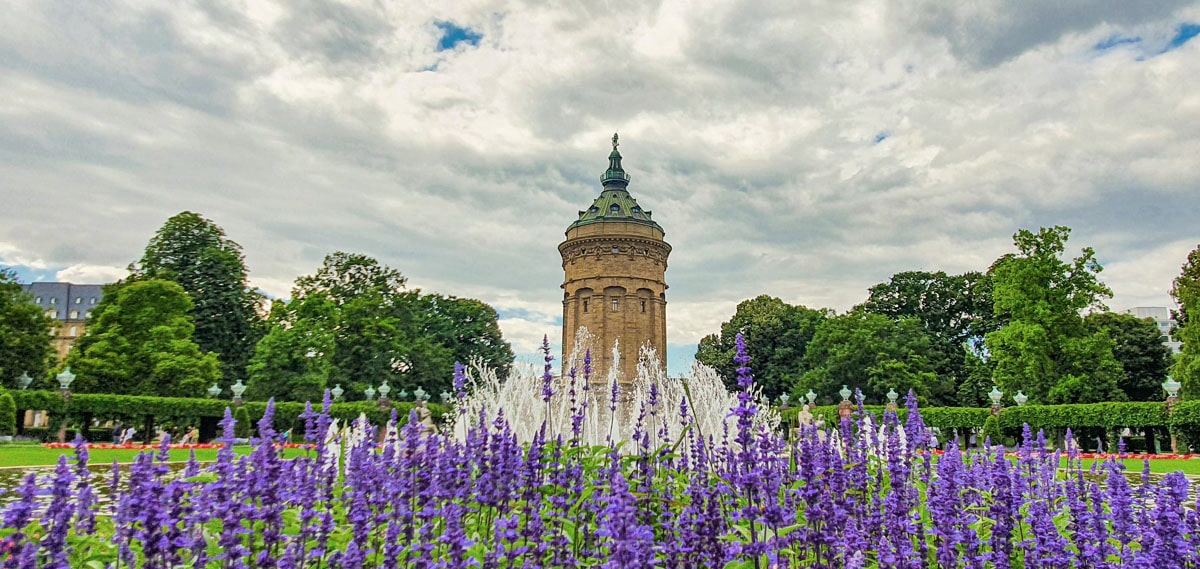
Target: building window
79 300
614 300
643 306
614 209
38 300
74 315
585 303
52 313
87 314
53 300
93 300
616 249
72 332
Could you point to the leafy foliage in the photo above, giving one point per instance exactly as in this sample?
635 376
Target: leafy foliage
25 333
874 353
1044 348
8 413
1139 347
954 310
777 335
140 343
354 323
1186 292
194 252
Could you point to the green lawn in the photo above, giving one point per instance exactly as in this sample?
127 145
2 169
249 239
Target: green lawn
1157 466
29 455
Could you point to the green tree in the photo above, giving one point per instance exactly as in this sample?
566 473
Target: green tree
1044 348
1186 292
195 253
140 343
956 312
777 336
1139 347
25 333
873 353
354 323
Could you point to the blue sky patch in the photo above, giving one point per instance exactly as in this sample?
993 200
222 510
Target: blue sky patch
28 275
1185 33
453 35
1115 40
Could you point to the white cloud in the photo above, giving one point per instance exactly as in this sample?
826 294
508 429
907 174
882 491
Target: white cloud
84 273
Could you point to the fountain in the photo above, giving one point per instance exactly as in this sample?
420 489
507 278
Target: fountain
607 409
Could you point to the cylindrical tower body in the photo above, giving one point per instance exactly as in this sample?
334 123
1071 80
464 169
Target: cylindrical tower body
615 262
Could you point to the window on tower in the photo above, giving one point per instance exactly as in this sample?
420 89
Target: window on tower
614 209
585 303
614 301
643 306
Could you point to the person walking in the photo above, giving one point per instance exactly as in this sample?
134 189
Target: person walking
118 432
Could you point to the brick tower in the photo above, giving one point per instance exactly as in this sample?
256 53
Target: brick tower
615 262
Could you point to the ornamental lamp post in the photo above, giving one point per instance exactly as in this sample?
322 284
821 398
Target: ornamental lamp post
1172 388
446 395
419 394
783 399
370 393
995 395
337 391
214 391
238 389
812 398
845 408
1020 398
24 381
64 381
402 395
384 390
892 396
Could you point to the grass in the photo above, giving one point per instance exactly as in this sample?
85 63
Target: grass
1157 466
27 455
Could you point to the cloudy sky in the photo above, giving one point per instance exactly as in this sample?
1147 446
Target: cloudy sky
805 150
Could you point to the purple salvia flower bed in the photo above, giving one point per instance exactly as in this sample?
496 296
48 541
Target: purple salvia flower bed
868 493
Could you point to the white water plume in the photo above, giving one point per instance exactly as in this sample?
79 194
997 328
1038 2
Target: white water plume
665 405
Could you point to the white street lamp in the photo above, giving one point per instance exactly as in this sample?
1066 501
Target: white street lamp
238 389
446 395
892 396
65 378
845 393
419 394
783 399
214 391
24 380
995 395
1172 387
370 393
384 390
337 391
812 398
1020 398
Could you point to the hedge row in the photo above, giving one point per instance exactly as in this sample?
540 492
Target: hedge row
1109 416
159 410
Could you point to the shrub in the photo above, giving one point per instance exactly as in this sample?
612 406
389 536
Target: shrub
8 414
244 427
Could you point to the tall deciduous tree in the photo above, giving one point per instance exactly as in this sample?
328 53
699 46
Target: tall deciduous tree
1044 348
1186 292
873 353
194 252
1139 347
777 335
25 333
354 323
956 312
140 343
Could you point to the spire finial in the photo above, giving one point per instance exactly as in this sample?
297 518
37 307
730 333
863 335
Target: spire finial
615 143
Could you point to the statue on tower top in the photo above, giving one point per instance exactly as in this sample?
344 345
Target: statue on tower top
615 143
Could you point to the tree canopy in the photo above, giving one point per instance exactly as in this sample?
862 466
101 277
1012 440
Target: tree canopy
140 343
777 336
955 311
354 323
1186 292
1138 346
194 252
1044 349
873 353
25 333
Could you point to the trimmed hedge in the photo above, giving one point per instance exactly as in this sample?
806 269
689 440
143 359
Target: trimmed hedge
159 410
1109 416
8 414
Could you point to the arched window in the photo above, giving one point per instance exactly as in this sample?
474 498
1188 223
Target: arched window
74 315
614 209
615 303
72 332
585 304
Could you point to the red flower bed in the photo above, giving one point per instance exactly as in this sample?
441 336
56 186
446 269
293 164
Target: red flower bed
110 446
